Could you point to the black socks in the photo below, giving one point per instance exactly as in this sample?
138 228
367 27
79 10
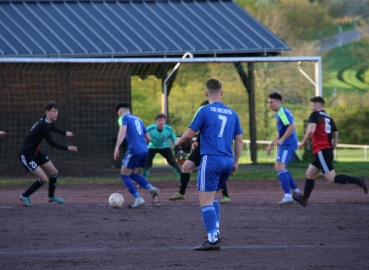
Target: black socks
185 179
35 186
309 186
225 190
52 185
344 179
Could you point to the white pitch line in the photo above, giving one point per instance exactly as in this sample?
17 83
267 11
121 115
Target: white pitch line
130 249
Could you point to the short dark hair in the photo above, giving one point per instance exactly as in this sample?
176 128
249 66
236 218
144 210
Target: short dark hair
213 84
121 105
51 105
318 99
205 102
275 95
160 115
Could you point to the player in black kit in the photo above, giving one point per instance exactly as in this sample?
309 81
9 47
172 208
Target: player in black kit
35 161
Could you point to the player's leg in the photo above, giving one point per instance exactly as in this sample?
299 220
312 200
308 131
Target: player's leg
168 155
128 166
222 183
150 157
187 167
53 175
141 181
325 158
226 198
283 158
30 164
311 172
344 179
210 171
192 162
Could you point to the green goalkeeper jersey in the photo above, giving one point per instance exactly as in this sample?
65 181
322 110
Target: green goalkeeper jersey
160 139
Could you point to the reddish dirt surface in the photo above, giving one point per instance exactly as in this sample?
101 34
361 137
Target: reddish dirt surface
86 233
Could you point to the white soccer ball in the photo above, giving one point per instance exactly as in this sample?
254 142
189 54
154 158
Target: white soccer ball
116 200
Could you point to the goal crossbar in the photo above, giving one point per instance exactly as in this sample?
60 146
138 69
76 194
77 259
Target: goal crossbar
316 59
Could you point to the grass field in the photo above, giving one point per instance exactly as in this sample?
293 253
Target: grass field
341 68
247 171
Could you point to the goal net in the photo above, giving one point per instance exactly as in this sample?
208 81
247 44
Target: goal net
87 90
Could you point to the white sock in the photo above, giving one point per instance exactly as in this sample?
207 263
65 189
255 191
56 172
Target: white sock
212 237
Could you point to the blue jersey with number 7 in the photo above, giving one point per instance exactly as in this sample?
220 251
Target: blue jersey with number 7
218 125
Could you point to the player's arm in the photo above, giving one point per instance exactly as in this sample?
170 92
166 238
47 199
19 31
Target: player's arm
53 143
186 137
334 140
147 137
290 129
308 134
58 130
121 135
270 146
172 136
237 152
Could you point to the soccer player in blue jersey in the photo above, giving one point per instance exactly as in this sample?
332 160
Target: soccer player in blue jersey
219 126
133 129
287 141
191 163
160 134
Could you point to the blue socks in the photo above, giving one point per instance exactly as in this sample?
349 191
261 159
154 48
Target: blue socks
140 180
293 185
209 217
217 211
285 181
130 186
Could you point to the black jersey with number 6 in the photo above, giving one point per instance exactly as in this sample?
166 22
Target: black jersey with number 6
38 132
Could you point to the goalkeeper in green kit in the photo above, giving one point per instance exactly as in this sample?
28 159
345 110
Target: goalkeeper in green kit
160 134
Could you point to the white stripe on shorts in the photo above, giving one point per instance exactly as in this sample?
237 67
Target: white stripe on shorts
126 161
322 162
203 170
25 163
284 156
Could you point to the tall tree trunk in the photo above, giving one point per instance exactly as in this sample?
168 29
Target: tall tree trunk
248 81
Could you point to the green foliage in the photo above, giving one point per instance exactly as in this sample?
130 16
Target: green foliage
364 76
342 67
309 19
352 122
146 96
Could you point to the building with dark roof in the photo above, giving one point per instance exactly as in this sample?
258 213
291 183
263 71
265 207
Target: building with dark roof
41 29
136 28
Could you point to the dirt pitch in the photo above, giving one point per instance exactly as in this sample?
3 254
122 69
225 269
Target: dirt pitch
86 233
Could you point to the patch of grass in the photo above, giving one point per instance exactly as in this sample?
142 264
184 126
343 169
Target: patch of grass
341 69
258 171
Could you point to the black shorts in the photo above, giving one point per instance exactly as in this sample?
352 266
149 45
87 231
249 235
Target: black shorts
31 161
195 156
165 152
324 160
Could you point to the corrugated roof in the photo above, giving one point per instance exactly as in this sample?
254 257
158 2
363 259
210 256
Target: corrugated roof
145 28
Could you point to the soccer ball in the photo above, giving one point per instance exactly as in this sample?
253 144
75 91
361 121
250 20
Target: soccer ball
116 200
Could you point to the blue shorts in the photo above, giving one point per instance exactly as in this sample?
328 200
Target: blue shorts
213 172
134 160
284 155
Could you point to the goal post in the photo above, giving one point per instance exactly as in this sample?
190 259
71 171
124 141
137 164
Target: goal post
87 90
